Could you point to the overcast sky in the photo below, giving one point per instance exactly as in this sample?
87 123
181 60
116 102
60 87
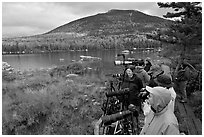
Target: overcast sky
24 19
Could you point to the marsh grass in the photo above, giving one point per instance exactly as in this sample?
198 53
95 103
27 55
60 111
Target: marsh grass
37 103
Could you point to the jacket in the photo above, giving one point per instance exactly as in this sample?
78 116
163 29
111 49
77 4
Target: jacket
142 74
135 85
166 70
148 66
162 120
147 107
183 71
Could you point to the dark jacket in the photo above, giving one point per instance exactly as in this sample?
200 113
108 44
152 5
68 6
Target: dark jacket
135 85
147 66
183 73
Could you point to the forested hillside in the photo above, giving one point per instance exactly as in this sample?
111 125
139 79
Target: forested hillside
124 29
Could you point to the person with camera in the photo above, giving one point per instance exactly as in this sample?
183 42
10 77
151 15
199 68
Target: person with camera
148 64
161 120
164 81
134 83
141 73
182 74
166 68
154 72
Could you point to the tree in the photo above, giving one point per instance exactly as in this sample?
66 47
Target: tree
186 30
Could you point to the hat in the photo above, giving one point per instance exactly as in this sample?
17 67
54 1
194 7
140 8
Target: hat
141 62
148 59
155 70
161 97
132 67
164 81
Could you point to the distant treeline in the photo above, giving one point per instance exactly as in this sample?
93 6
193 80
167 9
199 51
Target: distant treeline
66 42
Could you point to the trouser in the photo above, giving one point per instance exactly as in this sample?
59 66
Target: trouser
182 87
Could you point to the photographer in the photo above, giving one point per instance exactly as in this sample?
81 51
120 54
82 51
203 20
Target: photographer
165 82
148 64
154 72
134 84
131 81
141 73
160 120
182 74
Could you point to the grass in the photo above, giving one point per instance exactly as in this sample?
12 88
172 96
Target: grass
38 103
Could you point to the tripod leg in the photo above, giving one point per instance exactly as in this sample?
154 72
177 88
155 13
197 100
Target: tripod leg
133 125
137 125
116 126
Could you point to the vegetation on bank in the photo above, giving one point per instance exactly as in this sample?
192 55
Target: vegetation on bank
68 42
40 103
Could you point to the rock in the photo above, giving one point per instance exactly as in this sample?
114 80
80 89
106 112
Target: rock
90 85
89 68
61 60
89 58
125 51
72 75
69 80
6 67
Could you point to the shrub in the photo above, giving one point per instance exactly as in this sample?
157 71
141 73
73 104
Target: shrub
8 76
39 104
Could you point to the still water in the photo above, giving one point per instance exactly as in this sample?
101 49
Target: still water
46 60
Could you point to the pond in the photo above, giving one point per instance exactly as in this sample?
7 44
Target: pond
46 60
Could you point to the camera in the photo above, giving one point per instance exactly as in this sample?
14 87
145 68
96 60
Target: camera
129 61
118 93
117 75
143 95
108 119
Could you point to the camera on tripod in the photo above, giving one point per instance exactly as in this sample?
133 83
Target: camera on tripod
129 61
109 119
125 62
143 95
117 75
118 93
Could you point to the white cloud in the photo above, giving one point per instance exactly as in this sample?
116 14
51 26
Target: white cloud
13 31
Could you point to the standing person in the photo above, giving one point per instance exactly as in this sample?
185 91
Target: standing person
154 72
166 69
165 82
182 73
134 84
148 64
141 73
161 120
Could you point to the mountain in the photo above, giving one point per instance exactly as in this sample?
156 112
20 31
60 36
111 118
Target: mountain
113 22
113 29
